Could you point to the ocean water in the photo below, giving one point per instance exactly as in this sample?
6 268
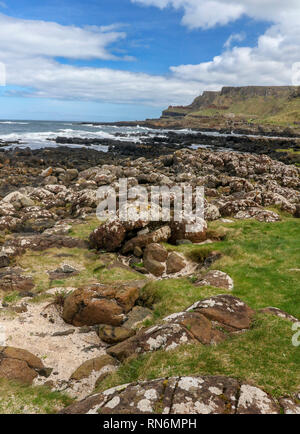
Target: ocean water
41 134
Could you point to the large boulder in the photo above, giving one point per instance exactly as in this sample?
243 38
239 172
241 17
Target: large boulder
20 365
101 304
175 263
227 310
179 395
154 257
108 236
207 322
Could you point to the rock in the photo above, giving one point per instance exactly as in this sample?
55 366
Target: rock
93 365
217 279
157 236
100 304
19 365
178 395
4 260
289 406
138 252
175 263
136 316
166 336
155 251
47 172
108 236
12 279
180 231
255 401
154 267
71 174
258 214
18 200
114 335
277 312
211 212
227 310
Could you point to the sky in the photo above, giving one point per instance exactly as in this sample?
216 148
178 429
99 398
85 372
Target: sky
109 60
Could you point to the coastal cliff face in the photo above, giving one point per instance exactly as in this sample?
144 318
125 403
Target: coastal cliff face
274 107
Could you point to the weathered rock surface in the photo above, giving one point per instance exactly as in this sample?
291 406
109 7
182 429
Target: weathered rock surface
20 365
175 263
93 365
216 278
101 304
199 324
113 335
180 395
280 313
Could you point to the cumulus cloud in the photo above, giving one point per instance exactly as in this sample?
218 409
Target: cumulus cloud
29 50
273 61
209 13
235 37
34 38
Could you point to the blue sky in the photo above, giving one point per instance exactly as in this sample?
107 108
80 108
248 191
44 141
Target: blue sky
108 60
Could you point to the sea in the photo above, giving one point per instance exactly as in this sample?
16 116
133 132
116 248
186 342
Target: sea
42 134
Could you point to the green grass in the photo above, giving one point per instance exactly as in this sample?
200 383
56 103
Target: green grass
16 398
260 257
83 230
263 356
92 268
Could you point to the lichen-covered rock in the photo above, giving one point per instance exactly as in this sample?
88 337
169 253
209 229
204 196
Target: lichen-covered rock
100 304
167 336
253 400
290 406
280 313
259 214
108 236
216 278
181 231
178 395
20 365
227 310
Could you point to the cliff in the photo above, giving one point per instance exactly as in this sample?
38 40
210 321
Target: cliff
267 106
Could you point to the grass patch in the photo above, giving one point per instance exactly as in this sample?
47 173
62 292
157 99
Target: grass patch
263 356
83 230
260 258
91 266
16 398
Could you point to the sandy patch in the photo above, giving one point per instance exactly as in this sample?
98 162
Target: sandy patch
33 331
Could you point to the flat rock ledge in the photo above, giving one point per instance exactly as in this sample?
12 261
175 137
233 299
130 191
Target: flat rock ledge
184 395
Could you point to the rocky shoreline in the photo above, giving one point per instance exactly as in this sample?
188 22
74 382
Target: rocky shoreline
93 283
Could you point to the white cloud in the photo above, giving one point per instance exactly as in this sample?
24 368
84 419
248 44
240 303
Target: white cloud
29 48
238 37
34 38
273 61
209 13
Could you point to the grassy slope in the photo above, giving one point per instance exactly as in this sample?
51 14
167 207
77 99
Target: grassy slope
259 257
272 110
